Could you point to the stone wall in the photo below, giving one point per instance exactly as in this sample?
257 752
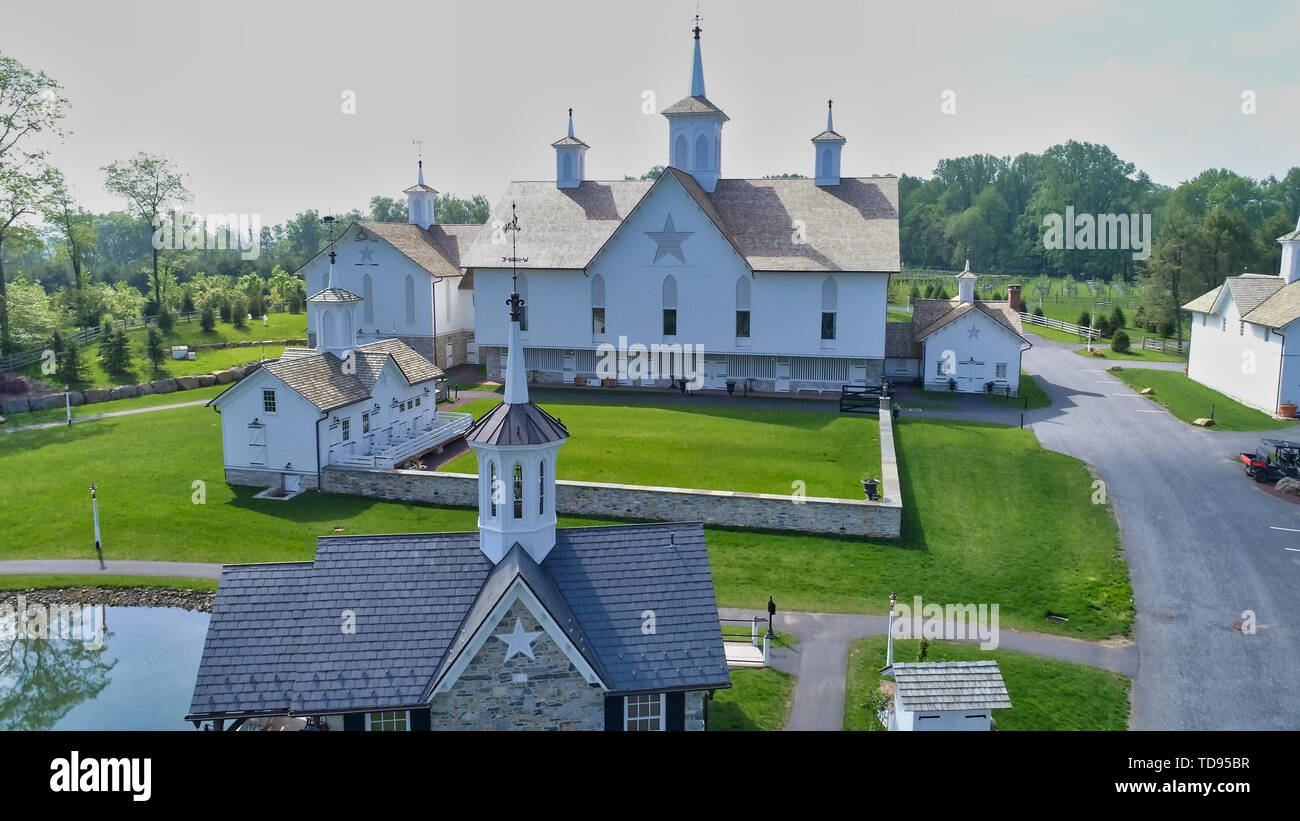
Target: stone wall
545 692
94 396
458 341
752 511
248 477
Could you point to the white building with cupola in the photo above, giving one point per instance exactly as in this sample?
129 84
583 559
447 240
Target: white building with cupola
781 282
409 277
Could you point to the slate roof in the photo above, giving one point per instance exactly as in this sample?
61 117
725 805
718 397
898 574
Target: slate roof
437 249
274 642
1279 310
1262 299
694 105
829 137
320 379
334 295
999 312
1204 303
569 141
900 342
950 685
852 226
508 424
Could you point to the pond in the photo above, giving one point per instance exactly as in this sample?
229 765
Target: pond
140 679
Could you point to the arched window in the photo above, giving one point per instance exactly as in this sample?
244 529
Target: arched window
492 489
523 294
519 491
598 305
410 300
368 294
670 306
703 157
541 488
742 308
830 296
568 166
680 159
826 162
327 329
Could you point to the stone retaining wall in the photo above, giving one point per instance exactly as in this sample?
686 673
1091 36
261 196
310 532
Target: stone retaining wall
754 511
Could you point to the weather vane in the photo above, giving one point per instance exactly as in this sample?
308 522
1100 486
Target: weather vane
515 303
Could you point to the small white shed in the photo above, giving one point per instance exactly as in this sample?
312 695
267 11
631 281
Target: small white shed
946 695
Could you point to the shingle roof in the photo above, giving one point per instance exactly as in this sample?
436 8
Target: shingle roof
569 141
436 249
1249 290
1279 310
274 641
950 685
1262 299
1204 303
829 137
320 378
508 424
900 342
694 105
849 227
334 295
999 312
1294 235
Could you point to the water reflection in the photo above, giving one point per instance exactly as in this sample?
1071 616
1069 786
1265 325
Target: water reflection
141 679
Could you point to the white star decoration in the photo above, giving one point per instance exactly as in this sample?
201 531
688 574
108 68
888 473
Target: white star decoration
366 255
974 332
518 641
669 240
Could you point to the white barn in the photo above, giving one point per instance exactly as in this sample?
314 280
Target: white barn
781 282
1246 337
962 344
371 405
410 278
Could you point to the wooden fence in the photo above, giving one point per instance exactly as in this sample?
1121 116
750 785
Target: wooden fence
1088 334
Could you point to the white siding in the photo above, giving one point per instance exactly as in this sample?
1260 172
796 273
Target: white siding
994 344
1242 365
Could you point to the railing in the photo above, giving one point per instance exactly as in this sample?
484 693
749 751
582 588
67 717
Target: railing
1162 345
22 359
446 427
757 649
1088 334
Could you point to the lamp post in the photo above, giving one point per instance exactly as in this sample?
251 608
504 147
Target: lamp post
771 611
67 402
94 511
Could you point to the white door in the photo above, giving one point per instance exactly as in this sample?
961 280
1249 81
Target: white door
715 373
451 359
292 482
783 377
471 353
570 369
858 374
970 376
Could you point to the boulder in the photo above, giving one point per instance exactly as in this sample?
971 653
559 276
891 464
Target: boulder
1147 391
123 392
223 377
53 400
206 380
164 385
232 344
237 373
250 367
1114 368
244 343
1204 422
1288 485
144 389
14 406
186 383
95 395
76 398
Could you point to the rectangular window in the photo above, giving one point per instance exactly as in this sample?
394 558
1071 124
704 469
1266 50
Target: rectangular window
394 721
1000 371
523 319
644 712
519 491
742 324
365 422
268 401
598 321
670 322
417 401
828 324
938 368
347 429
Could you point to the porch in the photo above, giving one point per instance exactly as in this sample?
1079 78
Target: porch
399 447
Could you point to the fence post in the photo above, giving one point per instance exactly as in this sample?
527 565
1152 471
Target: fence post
753 630
767 648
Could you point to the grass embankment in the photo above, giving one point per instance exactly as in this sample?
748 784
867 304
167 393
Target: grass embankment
1190 400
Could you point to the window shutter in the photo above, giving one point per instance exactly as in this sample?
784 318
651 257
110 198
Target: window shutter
354 721
675 705
613 714
420 721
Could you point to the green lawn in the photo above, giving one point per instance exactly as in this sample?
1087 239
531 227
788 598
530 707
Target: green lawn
752 445
898 316
1029 390
279 326
1132 355
782 639
1190 400
989 517
759 699
1045 694
1052 333
149 401
37 580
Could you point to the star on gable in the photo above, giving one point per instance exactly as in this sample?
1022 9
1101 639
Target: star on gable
669 240
517 641
367 255
973 332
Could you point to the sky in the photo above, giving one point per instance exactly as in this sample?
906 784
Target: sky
248 98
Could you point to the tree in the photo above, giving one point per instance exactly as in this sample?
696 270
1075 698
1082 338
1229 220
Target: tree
238 308
115 351
149 183
387 209
33 318
76 228
207 318
154 347
1117 318
1120 342
166 320
452 210
72 368
1085 320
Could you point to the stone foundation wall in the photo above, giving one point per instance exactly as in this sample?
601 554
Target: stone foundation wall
251 477
458 341
545 692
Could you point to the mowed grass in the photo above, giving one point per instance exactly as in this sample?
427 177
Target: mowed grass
279 326
1134 354
898 316
152 400
1046 694
752 445
1032 396
1190 400
28 582
989 517
759 699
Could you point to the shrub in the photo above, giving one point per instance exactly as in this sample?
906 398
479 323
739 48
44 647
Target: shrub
1085 319
1167 328
225 310
115 353
1038 311
1117 318
166 320
1103 325
207 319
915 293
154 346
238 309
1120 344
72 368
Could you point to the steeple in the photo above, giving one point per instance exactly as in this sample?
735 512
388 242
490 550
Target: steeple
331 312
421 200
966 285
516 444
1290 268
570 159
827 147
695 128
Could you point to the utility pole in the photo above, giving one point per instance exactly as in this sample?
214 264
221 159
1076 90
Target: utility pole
94 508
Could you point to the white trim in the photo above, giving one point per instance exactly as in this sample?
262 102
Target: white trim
406 719
517 592
663 710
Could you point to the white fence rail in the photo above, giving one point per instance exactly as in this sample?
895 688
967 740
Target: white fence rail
1087 334
446 427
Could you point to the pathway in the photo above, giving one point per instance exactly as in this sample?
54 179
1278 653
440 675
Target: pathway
90 567
78 419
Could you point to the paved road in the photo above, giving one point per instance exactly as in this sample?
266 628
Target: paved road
820 659
1203 545
90 567
78 419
